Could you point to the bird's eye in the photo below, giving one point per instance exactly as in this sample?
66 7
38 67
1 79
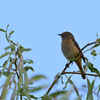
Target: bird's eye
65 33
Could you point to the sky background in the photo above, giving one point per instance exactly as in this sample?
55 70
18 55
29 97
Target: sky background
36 24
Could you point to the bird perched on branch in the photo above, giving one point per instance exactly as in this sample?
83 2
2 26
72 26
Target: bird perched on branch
70 49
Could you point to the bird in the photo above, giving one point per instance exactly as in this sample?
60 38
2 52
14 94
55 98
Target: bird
70 49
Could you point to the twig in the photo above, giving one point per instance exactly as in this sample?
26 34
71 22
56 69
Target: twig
80 73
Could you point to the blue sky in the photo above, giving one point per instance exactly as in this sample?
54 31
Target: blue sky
36 24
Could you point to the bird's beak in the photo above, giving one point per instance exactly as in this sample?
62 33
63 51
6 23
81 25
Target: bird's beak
59 34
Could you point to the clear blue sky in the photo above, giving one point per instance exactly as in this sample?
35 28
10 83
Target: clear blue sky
36 24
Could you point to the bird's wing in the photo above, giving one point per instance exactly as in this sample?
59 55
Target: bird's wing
76 44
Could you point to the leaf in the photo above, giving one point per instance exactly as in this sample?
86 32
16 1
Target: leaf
67 82
5 54
29 61
26 85
94 53
98 91
2 30
33 97
96 34
90 89
28 67
22 50
90 66
4 91
7 26
11 33
9 47
13 42
73 85
13 93
6 73
57 93
73 59
26 81
4 66
46 97
98 40
35 89
38 77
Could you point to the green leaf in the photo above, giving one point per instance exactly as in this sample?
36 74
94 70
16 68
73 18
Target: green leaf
28 67
33 97
7 36
29 61
9 47
73 85
5 54
13 42
7 26
38 77
22 50
26 85
96 34
26 81
94 53
4 91
98 91
35 89
13 93
90 66
73 59
98 41
4 66
11 33
96 45
5 73
57 93
67 82
46 97
90 89
2 30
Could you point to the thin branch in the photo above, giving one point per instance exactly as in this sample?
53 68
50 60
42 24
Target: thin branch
57 77
80 73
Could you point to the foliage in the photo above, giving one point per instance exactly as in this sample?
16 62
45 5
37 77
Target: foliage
15 70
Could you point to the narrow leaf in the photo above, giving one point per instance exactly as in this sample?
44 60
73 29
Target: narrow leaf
35 89
22 50
93 69
4 66
38 77
33 97
14 93
5 54
73 85
11 33
28 67
90 88
4 91
9 47
67 82
2 30
57 93
46 97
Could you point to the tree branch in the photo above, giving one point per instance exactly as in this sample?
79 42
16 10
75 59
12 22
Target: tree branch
80 73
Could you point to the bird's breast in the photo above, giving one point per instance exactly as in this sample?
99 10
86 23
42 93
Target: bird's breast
69 49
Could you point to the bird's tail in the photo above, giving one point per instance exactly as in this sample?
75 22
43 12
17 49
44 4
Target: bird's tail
79 64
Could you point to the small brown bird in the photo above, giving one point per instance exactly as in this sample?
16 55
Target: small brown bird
70 49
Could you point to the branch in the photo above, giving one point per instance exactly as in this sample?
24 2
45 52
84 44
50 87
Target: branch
80 73
57 77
